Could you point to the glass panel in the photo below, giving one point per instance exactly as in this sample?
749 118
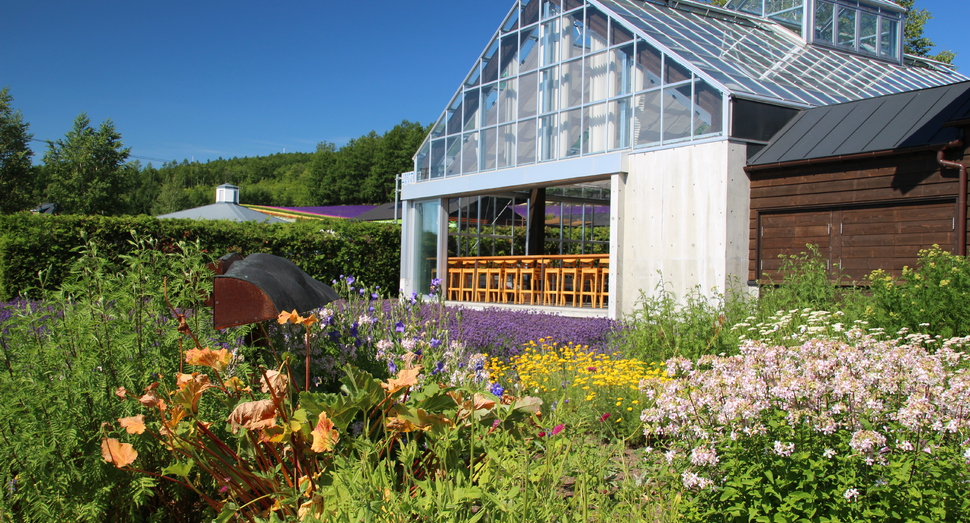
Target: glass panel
438 158
512 22
621 71
597 30
471 110
547 137
620 34
570 133
469 153
867 32
422 165
746 6
474 76
572 84
573 35
453 156
490 64
551 8
646 119
439 128
677 120
530 11
510 54
619 124
785 11
529 49
489 105
550 42
526 138
426 248
595 85
594 125
488 149
824 20
454 116
707 109
649 63
889 38
674 72
508 102
528 95
846 27
549 90
506 146
572 4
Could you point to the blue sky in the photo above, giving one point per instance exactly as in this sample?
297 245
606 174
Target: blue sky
213 78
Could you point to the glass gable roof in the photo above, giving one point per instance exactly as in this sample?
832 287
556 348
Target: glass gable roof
569 78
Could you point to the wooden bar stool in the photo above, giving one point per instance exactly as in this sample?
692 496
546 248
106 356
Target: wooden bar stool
528 282
551 282
589 283
454 280
493 274
604 282
511 276
467 280
570 282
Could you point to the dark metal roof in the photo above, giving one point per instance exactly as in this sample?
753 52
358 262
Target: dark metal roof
898 121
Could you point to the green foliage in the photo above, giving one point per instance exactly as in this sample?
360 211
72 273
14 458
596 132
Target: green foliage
931 298
662 326
36 251
914 41
64 357
86 171
16 173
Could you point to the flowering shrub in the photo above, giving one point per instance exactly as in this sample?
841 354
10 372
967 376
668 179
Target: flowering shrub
603 388
824 431
279 457
932 298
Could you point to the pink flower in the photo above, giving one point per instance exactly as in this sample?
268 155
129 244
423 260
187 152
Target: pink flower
558 428
605 417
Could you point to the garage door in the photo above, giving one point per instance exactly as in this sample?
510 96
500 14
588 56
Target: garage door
857 239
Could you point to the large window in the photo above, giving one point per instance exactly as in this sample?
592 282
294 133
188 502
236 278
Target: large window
562 80
855 27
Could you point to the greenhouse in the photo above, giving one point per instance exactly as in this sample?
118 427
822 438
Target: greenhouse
598 146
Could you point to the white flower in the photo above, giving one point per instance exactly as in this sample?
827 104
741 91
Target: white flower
784 449
829 453
851 494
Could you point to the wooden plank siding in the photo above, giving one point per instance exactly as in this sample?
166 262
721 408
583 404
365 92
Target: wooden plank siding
864 214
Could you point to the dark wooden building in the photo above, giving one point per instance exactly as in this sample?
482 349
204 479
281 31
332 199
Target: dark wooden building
870 182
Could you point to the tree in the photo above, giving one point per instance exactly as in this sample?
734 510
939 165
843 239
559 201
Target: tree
16 171
87 170
914 42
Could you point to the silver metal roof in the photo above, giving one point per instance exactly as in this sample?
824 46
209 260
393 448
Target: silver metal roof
755 58
224 211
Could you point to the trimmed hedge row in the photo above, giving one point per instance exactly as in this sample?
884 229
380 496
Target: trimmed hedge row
38 250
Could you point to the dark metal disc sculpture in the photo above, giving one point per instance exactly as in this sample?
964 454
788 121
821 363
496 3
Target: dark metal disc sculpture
260 286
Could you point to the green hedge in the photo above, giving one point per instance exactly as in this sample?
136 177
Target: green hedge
37 250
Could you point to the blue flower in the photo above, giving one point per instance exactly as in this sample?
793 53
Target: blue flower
354 329
440 367
435 343
399 326
351 280
497 390
334 335
392 367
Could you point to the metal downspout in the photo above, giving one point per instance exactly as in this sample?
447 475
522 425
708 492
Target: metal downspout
961 197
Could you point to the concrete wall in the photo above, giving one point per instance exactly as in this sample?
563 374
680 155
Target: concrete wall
685 217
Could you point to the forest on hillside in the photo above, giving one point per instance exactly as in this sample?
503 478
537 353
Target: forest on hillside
360 172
